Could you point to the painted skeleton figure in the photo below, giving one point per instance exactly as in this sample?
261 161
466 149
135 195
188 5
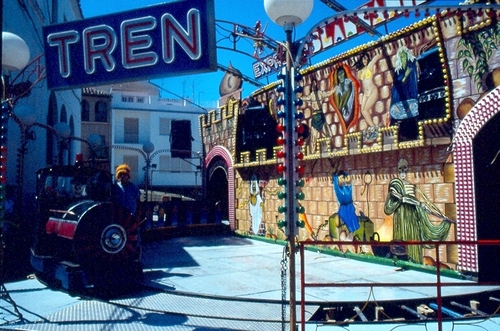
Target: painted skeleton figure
411 216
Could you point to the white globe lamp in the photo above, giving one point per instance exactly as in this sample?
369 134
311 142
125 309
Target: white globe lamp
25 114
63 130
288 13
15 52
148 147
94 140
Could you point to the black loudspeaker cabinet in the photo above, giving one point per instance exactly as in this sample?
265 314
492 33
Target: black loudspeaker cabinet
180 138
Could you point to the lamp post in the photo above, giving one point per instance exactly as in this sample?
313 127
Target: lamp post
92 144
95 144
148 148
15 56
61 131
25 118
289 14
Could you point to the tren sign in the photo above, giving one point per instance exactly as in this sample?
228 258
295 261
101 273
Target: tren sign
164 40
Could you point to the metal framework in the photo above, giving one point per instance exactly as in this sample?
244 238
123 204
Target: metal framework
439 284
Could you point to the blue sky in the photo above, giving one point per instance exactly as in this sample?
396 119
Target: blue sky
204 88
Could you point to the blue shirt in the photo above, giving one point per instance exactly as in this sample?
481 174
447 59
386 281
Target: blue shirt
127 195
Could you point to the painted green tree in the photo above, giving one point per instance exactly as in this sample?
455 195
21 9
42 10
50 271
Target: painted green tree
475 49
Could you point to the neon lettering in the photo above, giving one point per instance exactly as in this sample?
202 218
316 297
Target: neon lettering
62 40
99 42
189 41
132 43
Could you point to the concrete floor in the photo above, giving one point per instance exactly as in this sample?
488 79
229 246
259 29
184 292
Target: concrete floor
224 283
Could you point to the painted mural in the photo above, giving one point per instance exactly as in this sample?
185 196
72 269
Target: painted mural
410 215
373 88
379 123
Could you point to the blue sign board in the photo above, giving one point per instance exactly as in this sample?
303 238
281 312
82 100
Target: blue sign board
171 39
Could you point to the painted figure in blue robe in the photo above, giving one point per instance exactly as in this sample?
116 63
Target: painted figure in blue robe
404 92
343 190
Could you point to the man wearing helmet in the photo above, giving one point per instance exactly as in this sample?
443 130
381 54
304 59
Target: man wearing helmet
126 193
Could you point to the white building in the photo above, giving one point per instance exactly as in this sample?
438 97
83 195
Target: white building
143 127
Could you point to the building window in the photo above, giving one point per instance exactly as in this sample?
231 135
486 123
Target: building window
164 126
101 111
131 130
85 111
184 166
164 163
180 138
140 99
173 164
126 98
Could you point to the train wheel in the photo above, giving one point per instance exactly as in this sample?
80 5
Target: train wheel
113 238
106 235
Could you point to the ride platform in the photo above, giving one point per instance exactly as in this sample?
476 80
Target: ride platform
228 282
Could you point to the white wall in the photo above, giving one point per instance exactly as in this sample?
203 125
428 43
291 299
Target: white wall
149 114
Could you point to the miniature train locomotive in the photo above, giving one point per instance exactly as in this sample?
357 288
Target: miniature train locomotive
82 239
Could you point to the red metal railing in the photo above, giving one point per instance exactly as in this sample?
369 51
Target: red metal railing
438 284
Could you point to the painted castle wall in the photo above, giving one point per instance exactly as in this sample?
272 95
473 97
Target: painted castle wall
370 149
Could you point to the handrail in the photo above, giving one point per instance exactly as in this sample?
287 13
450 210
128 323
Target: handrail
438 284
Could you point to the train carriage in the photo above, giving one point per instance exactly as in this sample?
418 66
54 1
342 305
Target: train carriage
82 239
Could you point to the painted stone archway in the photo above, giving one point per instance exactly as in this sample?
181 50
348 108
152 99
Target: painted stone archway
224 154
463 151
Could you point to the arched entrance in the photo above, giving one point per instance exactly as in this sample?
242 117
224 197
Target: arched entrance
477 180
220 183
217 188
485 147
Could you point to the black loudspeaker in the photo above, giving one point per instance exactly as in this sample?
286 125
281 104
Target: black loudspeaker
180 138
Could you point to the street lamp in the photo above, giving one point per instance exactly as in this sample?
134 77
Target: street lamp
25 118
15 52
289 14
15 56
148 148
95 144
